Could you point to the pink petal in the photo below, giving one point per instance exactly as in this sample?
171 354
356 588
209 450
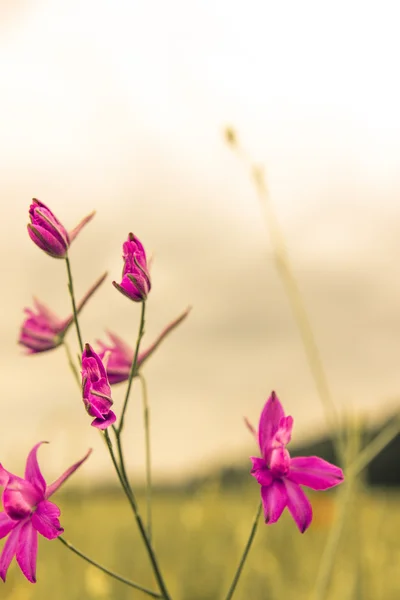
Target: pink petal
6 524
56 484
32 470
103 423
20 497
26 553
274 499
9 550
314 472
260 471
269 423
299 505
76 230
45 520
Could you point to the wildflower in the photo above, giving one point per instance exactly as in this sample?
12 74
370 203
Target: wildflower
96 391
121 356
281 476
46 231
27 512
135 282
43 330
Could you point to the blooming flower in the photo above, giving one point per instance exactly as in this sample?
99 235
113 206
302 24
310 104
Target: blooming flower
281 476
42 330
120 355
27 512
135 282
48 233
96 391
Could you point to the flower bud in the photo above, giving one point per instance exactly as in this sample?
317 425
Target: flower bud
135 282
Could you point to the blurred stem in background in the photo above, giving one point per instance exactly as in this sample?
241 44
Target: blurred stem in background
285 271
72 295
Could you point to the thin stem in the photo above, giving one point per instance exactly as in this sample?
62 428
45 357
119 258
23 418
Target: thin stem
375 447
244 555
71 363
146 417
121 472
133 368
132 584
71 293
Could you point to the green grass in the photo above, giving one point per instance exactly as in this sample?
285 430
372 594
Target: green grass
199 540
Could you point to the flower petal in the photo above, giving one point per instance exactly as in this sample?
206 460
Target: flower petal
53 487
274 499
20 497
6 524
260 471
9 550
45 520
104 422
26 553
298 504
314 472
269 423
32 470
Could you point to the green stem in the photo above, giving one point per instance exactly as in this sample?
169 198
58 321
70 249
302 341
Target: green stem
146 417
132 584
133 369
122 476
374 448
245 553
71 363
71 293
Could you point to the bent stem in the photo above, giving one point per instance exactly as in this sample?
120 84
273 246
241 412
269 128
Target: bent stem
74 311
288 279
146 417
132 584
244 555
121 473
133 369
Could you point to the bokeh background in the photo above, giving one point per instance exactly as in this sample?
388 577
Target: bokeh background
121 107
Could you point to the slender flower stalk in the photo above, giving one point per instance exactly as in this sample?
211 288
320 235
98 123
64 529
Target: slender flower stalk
146 418
128 582
284 268
246 551
121 473
74 310
133 367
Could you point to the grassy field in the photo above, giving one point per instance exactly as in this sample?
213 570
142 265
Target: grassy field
199 539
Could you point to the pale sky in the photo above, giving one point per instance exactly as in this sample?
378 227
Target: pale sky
120 107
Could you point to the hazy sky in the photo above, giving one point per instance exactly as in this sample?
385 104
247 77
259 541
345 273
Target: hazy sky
120 106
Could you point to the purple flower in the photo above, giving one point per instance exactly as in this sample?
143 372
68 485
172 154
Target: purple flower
48 233
135 282
96 391
27 512
120 355
281 476
42 330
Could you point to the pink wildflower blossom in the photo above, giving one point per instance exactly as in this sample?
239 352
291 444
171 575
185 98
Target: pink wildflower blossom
27 512
47 232
135 282
281 476
120 355
42 330
96 391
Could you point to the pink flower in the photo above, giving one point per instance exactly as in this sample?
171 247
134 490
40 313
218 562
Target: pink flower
47 232
96 391
42 330
135 282
281 476
120 355
27 512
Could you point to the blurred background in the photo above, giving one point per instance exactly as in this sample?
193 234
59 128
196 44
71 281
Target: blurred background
121 107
